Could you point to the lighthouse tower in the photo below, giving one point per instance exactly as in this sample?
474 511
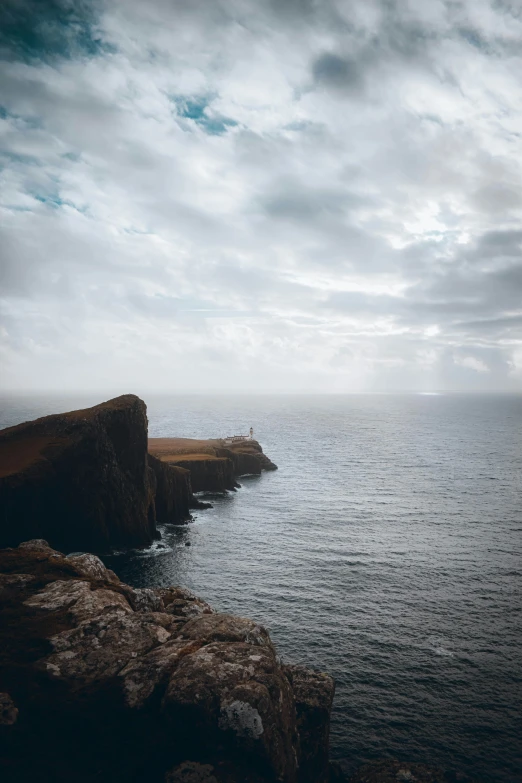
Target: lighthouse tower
251 433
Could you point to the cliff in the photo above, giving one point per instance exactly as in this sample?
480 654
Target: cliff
84 481
172 492
207 473
102 682
214 465
79 478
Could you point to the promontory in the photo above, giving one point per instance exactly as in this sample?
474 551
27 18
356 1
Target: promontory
85 480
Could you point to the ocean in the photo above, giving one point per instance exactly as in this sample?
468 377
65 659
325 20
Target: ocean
386 550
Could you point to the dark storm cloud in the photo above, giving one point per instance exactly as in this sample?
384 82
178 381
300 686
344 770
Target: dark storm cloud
298 202
338 72
503 244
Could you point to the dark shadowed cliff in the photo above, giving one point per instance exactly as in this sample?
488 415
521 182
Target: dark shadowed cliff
79 478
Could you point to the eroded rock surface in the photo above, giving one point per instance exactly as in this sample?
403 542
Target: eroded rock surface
172 492
313 696
107 683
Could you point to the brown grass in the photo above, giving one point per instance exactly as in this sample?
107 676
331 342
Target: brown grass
165 457
186 446
17 455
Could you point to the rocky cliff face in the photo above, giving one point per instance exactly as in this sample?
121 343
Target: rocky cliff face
247 457
209 474
172 492
101 682
81 478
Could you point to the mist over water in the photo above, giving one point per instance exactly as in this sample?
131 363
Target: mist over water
385 550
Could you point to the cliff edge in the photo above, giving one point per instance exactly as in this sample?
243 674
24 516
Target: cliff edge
214 465
103 682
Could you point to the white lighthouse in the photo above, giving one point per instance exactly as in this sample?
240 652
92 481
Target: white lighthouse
251 433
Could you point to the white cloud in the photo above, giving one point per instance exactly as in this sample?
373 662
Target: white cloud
472 363
326 200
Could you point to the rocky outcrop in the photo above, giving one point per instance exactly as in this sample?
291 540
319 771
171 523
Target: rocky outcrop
103 682
213 465
313 695
209 474
79 479
247 457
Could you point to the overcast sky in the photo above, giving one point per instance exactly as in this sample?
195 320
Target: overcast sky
248 195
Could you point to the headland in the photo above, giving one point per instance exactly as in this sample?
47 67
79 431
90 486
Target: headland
214 464
90 480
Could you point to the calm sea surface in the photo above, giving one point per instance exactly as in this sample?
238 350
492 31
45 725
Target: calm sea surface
385 550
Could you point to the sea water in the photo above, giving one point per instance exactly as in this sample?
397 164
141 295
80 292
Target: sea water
386 550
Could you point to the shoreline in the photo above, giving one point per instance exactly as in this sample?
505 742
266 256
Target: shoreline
108 440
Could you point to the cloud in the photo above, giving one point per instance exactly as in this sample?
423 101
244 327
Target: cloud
472 363
279 196
338 72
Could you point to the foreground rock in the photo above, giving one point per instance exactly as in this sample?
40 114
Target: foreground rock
214 465
102 682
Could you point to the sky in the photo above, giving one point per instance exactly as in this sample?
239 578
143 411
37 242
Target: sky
261 195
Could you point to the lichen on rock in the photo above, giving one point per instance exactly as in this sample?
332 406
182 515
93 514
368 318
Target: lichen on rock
242 718
137 682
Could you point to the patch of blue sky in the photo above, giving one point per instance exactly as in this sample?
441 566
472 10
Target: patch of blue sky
198 110
55 201
49 29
